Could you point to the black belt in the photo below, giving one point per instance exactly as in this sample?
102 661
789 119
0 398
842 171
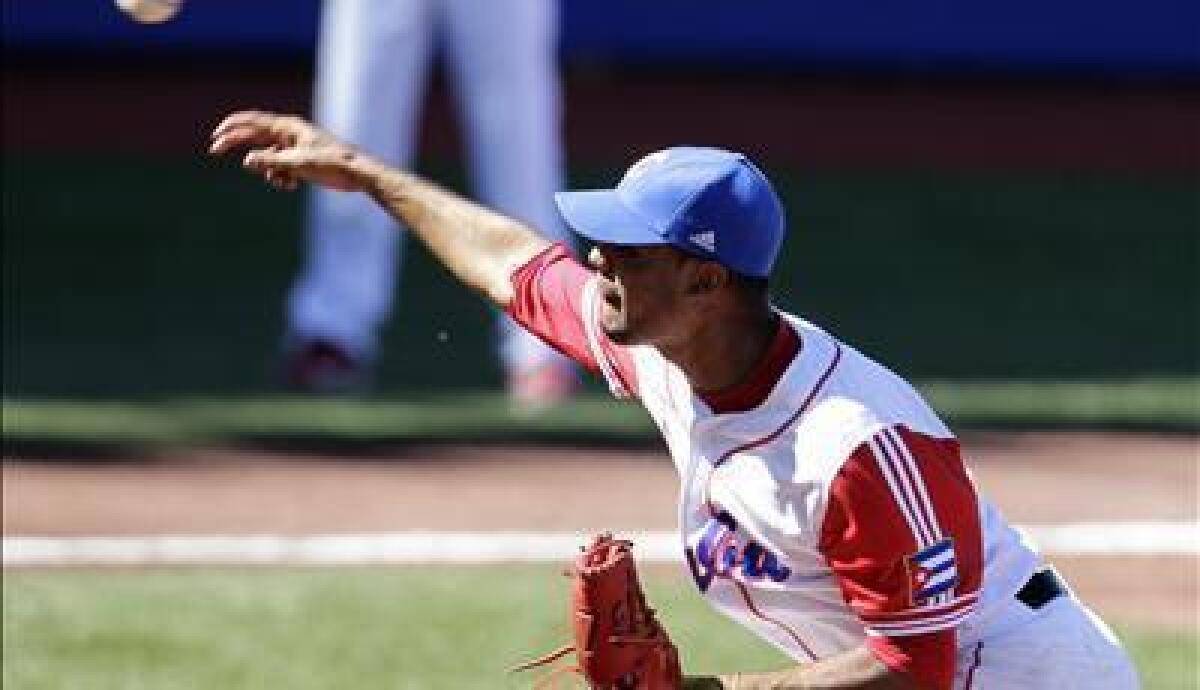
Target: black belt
1042 588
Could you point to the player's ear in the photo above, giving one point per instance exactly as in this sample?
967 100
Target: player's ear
708 276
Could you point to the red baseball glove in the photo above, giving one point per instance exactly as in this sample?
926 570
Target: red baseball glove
618 642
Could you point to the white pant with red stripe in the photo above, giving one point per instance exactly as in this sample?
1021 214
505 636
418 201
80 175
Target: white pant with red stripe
1060 646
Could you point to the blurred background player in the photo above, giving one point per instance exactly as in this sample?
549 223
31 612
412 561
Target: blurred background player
373 60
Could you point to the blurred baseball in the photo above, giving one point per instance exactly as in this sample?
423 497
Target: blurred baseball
150 11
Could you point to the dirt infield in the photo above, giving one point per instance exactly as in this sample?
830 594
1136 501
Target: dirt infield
1036 477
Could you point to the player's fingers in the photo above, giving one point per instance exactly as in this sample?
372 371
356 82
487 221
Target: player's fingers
255 128
256 119
278 181
283 169
275 158
241 137
260 161
258 166
281 178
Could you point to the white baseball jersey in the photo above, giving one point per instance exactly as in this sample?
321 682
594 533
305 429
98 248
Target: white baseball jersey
836 512
833 511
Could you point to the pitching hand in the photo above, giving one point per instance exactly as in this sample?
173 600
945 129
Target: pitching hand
286 150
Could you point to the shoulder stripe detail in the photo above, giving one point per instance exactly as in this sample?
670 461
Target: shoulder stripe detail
910 464
590 304
898 494
903 477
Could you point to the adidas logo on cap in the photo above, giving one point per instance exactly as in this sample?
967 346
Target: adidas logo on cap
705 240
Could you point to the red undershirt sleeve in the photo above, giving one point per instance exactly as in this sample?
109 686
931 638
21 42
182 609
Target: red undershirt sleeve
554 298
901 534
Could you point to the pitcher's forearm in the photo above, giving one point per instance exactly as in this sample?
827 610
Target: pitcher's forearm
482 248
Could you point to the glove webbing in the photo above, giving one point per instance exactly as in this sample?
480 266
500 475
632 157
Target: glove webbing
559 653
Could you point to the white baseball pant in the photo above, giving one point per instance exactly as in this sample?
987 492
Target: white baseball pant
372 66
1060 646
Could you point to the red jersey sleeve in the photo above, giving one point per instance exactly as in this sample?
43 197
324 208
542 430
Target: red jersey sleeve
902 535
556 298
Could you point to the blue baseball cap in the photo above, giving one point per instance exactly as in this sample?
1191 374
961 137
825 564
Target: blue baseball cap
707 202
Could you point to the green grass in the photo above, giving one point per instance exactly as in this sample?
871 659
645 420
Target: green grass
348 421
1146 404
404 628
356 628
178 290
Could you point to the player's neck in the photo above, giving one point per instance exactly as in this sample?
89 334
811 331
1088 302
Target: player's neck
723 351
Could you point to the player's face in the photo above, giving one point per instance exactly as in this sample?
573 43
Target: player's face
642 293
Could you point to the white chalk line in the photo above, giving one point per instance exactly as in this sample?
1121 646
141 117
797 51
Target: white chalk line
431 547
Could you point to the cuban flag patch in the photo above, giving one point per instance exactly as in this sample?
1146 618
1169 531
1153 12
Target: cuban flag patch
932 574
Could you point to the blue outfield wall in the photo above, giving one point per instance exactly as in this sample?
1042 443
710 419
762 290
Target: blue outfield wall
1105 37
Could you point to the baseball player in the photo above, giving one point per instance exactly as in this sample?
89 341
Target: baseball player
372 64
823 504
